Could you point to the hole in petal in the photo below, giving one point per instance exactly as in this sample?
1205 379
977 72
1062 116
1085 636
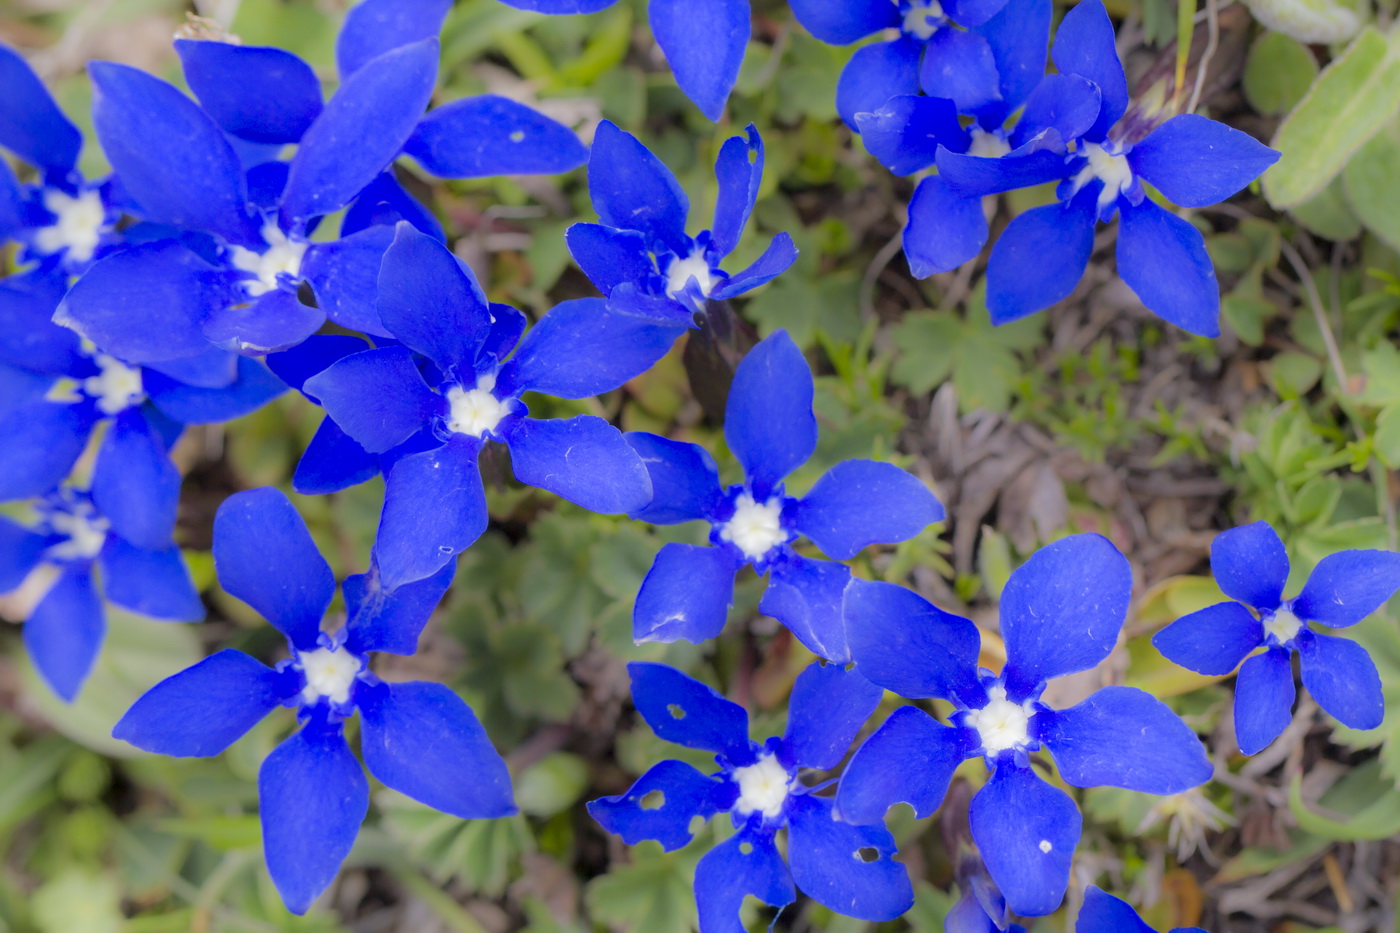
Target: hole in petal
868 854
652 800
517 136
676 711
697 823
745 848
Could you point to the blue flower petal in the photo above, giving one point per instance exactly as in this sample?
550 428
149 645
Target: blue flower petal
434 508
273 321
1123 737
64 632
906 132
832 863
1264 694
581 348
1342 678
972 13
583 459
906 644
746 863
20 387
423 740
42 442
704 53
375 27
945 229
1085 46
264 555
959 66
477 137
20 551
686 595
682 710
205 708
1346 587
1250 564
1062 609
972 176
383 203
875 73
1196 162
780 254
684 480
909 759
1019 36
378 397
1164 260
13 209
344 275
254 387
258 93
560 7
31 125
1067 104
828 706
632 190
609 257
1039 259
1211 641
768 420
28 337
381 619
1104 913
134 484
332 461
152 581
661 805
845 22
378 107
172 157
805 595
863 502
1027 831
431 301
313 355
212 369
739 171
313 796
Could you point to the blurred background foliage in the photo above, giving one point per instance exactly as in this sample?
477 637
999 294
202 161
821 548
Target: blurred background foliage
1094 416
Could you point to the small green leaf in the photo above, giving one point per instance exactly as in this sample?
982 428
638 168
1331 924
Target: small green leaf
1372 185
1365 802
1328 214
1278 73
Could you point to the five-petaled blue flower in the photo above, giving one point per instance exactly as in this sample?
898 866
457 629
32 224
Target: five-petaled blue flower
1061 613
65 629
1251 566
770 428
847 867
418 738
1104 913
1100 164
640 255
438 411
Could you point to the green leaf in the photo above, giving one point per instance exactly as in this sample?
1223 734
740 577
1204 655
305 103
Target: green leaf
1357 94
1277 73
552 784
1372 180
78 900
1367 804
1328 214
654 894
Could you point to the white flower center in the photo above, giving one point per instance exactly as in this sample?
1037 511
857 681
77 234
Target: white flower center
475 411
80 224
1283 625
1001 724
756 527
1110 168
116 387
282 257
763 787
329 673
85 530
987 145
681 271
922 18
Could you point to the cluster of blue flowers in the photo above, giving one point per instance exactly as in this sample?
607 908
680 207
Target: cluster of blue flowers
192 286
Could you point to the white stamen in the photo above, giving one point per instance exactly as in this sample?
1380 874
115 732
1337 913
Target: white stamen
283 255
80 223
681 271
922 18
763 787
475 411
85 530
1108 167
329 673
117 387
987 145
756 527
1283 625
1001 724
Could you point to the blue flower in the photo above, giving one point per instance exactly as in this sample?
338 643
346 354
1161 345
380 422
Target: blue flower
1061 613
1100 162
980 911
847 867
640 255
71 536
417 738
436 414
1251 566
703 40
770 428
1104 913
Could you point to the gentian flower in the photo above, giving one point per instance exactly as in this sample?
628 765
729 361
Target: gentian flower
467 393
1061 612
846 867
1104 913
930 53
64 631
418 738
640 255
770 427
703 40
1042 254
1251 566
973 913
